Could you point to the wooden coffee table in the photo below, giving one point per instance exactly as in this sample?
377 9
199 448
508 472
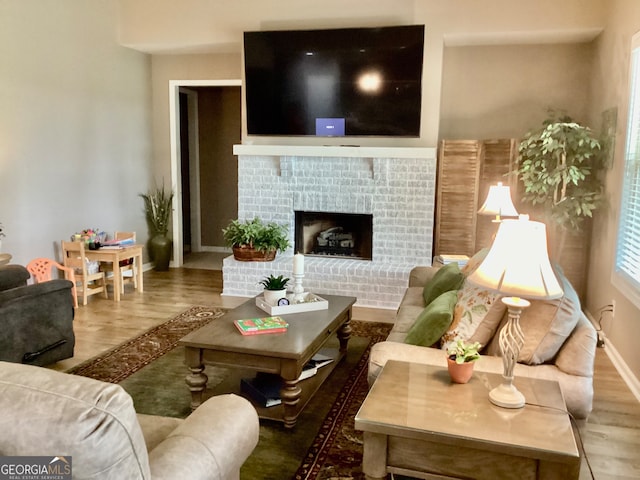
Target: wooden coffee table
417 423
284 354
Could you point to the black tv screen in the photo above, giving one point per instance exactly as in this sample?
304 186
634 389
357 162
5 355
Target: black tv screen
337 82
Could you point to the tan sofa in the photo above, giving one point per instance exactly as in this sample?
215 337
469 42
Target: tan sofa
560 343
45 412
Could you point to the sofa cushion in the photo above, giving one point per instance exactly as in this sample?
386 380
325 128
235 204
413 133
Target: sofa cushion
546 324
476 317
411 306
433 321
447 278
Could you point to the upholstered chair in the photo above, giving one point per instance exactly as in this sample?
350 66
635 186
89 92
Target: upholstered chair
45 412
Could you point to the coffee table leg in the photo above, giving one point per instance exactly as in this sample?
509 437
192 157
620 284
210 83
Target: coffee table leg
196 380
290 394
344 333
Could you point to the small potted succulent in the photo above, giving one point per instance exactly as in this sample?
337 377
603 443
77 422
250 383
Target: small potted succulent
275 288
460 360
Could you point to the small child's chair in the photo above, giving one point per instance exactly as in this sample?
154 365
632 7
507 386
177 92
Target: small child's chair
41 269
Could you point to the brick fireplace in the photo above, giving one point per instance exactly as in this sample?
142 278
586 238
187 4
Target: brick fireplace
394 187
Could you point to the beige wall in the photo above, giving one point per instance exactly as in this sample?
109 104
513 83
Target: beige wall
165 68
610 89
504 91
75 137
216 26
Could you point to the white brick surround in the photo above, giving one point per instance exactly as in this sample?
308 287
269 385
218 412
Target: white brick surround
395 185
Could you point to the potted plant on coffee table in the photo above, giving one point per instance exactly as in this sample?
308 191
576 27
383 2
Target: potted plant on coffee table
275 288
462 356
255 240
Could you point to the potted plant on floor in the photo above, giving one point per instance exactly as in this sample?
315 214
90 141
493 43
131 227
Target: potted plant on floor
255 240
275 288
157 207
462 356
559 166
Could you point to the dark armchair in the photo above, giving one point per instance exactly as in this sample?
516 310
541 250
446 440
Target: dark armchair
36 321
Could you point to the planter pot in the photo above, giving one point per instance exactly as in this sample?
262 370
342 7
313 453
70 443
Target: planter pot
460 372
272 296
160 250
249 254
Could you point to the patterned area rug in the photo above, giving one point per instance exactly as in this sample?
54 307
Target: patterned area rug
124 360
336 449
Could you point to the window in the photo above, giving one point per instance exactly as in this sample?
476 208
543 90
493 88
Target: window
628 246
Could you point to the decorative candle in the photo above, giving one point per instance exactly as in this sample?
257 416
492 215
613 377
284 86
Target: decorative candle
298 264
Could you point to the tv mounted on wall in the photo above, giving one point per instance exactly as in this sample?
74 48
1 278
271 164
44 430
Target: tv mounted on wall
336 82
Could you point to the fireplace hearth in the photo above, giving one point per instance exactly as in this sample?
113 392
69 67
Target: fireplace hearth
334 234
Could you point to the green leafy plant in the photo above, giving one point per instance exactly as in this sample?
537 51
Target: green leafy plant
256 234
463 352
157 208
559 165
274 283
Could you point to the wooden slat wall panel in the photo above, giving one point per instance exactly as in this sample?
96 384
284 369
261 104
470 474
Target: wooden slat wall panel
457 196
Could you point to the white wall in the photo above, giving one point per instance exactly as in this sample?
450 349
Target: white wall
75 136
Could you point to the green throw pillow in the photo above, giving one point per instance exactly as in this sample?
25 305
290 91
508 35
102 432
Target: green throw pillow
433 321
445 279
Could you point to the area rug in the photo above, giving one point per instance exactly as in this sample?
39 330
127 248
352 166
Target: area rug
122 361
322 446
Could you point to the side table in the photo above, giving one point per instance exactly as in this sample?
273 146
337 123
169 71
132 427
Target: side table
416 422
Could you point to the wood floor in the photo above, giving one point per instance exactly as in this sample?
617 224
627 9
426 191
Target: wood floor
611 435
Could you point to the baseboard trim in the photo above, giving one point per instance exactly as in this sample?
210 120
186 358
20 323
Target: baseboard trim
216 249
618 362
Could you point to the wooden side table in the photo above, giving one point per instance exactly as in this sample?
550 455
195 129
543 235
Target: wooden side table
416 422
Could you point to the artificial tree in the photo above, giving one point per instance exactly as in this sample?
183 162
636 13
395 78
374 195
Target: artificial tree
559 166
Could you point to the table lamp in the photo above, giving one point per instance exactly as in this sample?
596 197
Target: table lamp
517 266
498 203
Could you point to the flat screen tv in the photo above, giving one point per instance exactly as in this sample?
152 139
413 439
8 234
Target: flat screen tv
337 82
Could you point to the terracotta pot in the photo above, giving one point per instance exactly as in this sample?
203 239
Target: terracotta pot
460 372
249 254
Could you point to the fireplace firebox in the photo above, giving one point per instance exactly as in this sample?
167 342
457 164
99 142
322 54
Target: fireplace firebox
334 234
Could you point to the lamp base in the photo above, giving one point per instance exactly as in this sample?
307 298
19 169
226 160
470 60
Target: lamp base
506 396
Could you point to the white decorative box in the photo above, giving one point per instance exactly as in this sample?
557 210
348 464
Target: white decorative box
311 302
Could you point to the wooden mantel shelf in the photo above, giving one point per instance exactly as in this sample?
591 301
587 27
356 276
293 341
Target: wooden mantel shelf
334 151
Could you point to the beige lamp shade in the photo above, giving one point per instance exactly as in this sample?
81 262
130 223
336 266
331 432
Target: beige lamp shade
518 263
499 202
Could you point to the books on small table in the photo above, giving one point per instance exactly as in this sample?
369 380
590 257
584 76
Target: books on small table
256 326
264 388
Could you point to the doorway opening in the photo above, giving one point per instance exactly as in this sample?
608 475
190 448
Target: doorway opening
204 121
